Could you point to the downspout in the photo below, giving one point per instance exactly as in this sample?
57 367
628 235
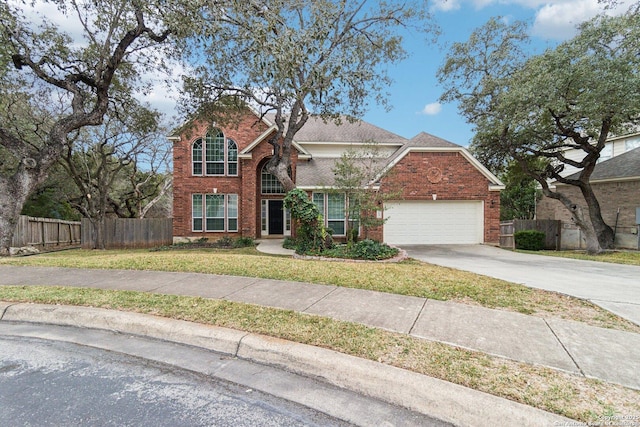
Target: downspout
615 228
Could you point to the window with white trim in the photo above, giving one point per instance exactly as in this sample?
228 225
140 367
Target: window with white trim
214 212
214 155
196 209
232 212
332 206
196 156
631 144
336 213
232 157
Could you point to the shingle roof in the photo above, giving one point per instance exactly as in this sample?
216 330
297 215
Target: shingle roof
318 172
625 165
424 139
317 130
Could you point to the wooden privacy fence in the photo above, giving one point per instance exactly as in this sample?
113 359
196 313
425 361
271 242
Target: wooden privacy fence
45 233
550 228
127 233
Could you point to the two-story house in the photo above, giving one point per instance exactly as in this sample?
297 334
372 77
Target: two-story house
616 184
221 186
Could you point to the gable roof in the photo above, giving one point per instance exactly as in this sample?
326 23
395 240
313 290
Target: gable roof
625 166
317 130
424 139
424 142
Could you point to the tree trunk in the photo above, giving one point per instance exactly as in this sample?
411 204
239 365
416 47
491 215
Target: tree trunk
603 232
8 220
590 234
280 169
577 214
14 192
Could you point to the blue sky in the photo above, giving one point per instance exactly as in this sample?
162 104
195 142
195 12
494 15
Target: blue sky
415 93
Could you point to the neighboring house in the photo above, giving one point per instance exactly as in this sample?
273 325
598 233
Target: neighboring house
616 184
613 147
221 187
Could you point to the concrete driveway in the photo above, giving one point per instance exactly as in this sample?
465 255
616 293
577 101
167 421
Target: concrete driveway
614 287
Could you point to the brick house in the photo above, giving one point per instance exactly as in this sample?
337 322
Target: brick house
222 189
616 184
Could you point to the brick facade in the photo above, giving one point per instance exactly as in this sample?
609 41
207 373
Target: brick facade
245 185
459 180
623 195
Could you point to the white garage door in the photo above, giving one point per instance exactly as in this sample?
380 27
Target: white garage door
433 222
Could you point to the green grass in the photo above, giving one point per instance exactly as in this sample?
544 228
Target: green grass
614 257
565 394
410 277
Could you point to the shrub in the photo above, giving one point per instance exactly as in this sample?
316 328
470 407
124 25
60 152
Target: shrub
225 242
244 242
370 249
312 235
352 235
289 243
366 249
529 240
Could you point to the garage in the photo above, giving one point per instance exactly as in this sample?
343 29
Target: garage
434 222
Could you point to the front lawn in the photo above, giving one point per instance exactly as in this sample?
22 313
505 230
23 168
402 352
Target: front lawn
615 257
570 395
410 277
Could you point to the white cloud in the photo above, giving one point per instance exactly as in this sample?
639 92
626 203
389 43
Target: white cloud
445 5
554 19
559 21
432 109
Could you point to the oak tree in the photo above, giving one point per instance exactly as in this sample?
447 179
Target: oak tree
295 58
532 109
59 83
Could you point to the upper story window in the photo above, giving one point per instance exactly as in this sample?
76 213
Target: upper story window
196 155
214 155
606 153
232 157
631 144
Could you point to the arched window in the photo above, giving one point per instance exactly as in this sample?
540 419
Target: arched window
214 155
196 156
269 183
232 157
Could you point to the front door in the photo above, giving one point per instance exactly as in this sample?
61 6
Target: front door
276 217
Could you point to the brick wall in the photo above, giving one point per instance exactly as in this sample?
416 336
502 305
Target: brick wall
451 176
243 131
611 196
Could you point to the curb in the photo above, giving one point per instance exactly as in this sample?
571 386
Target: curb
439 399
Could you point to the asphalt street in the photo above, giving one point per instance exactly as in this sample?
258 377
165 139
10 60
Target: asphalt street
64 376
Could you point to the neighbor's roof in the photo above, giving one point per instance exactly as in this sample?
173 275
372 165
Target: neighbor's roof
622 167
318 130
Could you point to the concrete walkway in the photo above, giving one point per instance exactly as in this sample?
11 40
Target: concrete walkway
609 355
